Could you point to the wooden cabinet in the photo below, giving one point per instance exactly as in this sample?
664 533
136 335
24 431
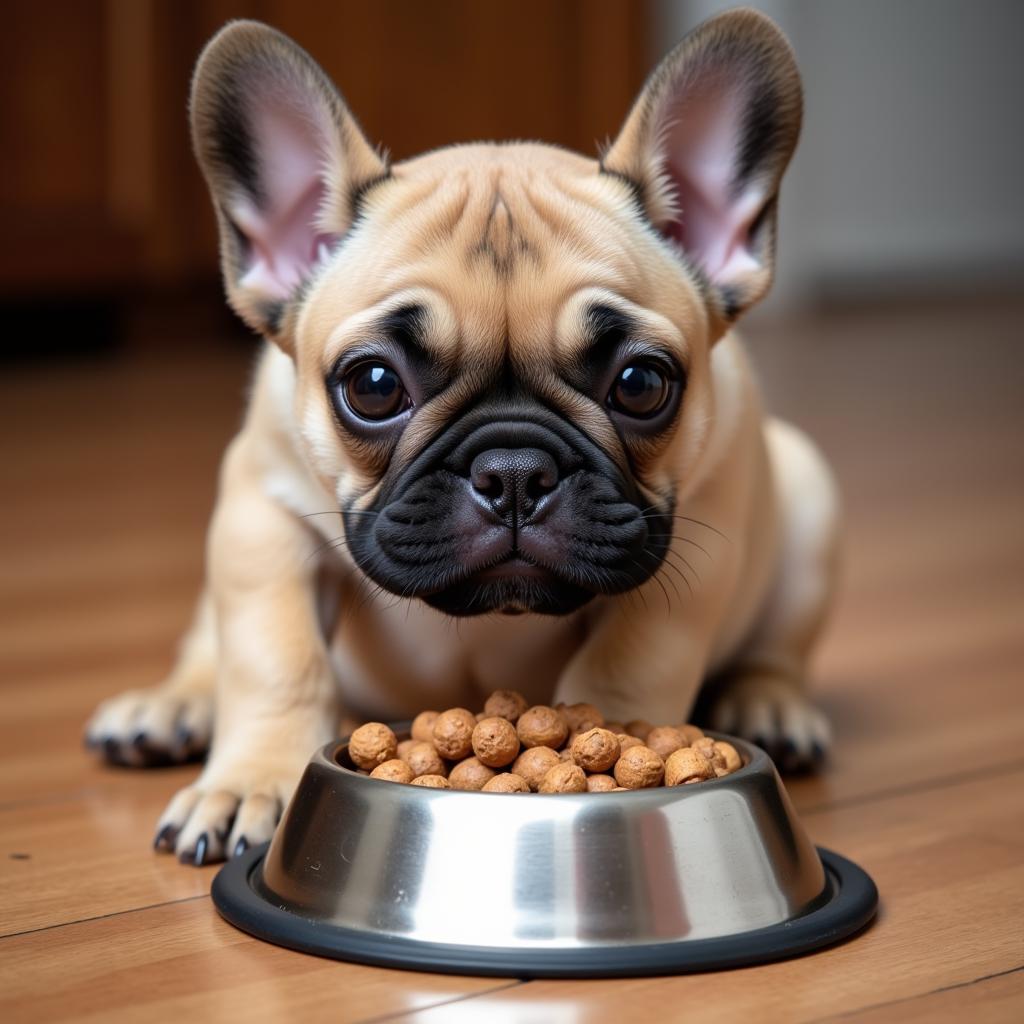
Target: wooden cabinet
98 189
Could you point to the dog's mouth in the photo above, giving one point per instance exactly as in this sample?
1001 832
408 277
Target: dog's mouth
515 566
511 587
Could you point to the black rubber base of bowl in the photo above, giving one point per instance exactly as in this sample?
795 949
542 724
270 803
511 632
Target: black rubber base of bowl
850 905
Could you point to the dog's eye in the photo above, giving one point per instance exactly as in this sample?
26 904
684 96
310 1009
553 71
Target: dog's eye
640 390
374 391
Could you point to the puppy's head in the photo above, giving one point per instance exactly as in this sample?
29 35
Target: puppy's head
502 350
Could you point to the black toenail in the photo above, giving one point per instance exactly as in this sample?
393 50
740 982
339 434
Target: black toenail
789 757
818 752
201 844
112 749
165 837
139 740
241 846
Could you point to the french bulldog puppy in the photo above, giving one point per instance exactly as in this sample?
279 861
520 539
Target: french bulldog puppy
500 434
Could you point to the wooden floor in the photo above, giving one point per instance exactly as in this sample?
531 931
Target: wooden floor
108 478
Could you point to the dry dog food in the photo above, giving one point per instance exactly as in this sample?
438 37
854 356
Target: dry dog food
511 747
541 726
372 744
506 782
495 742
453 733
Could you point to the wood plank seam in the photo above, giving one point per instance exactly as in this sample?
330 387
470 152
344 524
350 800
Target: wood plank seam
920 995
104 917
409 1014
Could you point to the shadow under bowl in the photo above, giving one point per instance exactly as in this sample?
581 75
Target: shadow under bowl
667 880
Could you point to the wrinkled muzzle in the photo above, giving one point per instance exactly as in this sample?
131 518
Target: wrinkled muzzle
513 510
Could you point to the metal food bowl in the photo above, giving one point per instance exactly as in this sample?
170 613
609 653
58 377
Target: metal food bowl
667 880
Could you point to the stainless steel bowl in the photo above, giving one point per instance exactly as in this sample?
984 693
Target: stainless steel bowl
668 879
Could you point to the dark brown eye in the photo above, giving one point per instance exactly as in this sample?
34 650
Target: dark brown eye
640 390
374 391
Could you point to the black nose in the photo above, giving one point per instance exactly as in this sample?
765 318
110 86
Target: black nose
513 480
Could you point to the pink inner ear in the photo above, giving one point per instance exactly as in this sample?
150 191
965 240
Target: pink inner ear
701 149
284 242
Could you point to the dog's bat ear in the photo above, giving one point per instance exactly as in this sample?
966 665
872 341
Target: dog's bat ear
706 144
285 161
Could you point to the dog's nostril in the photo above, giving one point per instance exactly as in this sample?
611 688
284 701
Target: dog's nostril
488 484
540 483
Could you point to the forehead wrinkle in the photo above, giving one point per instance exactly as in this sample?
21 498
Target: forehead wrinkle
423 230
503 242
588 233
583 412
440 410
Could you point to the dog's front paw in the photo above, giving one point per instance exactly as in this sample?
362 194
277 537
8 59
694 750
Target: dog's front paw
152 727
227 810
775 714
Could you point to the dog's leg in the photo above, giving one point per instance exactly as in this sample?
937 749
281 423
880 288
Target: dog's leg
276 699
762 696
169 723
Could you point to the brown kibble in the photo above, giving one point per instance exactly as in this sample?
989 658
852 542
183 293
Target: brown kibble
665 740
495 742
512 747
600 784
620 789
730 755
706 746
541 726
564 778
507 782
639 728
581 717
691 733
470 774
687 765
639 768
372 744
596 750
424 759
534 764
453 733
507 704
393 771
431 782
423 727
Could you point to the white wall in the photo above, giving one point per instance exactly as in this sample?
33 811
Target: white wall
910 172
